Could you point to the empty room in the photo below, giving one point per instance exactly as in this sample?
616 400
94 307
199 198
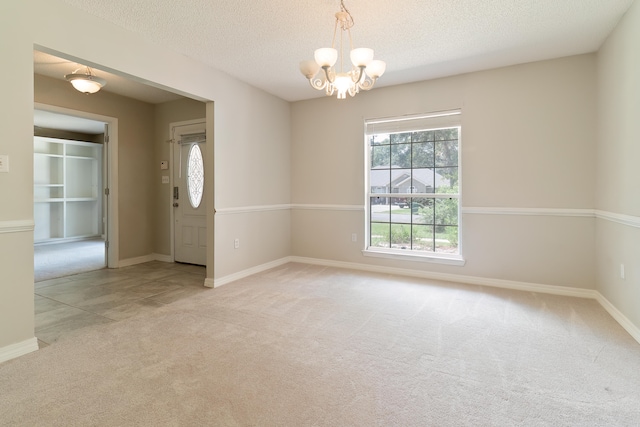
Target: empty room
326 213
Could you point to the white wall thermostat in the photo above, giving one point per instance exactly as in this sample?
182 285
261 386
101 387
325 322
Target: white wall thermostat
164 164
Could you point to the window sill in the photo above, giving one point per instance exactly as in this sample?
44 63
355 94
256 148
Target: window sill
402 255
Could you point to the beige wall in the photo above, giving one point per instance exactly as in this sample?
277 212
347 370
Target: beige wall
249 123
528 142
165 114
135 162
618 172
252 180
16 120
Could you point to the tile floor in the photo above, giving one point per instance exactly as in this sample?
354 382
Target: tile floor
70 303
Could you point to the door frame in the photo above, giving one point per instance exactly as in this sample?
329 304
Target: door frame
113 251
172 165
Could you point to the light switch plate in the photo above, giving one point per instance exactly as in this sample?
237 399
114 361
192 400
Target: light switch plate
4 163
165 179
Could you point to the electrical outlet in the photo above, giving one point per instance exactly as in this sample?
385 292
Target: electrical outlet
354 237
236 243
4 163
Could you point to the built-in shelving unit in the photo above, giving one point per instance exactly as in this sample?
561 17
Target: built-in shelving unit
67 189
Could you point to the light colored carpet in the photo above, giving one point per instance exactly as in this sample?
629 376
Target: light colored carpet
304 345
64 259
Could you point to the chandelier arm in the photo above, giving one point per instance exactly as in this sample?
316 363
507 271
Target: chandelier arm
360 74
330 89
367 84
318 84
328 74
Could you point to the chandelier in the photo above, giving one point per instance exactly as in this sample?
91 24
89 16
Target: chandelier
85 82
364 70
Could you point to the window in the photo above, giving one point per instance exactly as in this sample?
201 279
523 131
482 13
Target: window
413 198
195 175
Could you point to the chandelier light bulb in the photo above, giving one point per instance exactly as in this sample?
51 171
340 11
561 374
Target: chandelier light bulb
375 68
361 56
85 86
326 56
342 84
309 68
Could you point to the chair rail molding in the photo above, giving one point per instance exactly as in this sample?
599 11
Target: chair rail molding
628 220
590 213
17 226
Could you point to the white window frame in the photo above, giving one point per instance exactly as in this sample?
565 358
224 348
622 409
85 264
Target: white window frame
429 121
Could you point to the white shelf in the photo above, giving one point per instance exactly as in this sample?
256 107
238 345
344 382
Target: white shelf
67 189
52 200
81 199
48 155
81 158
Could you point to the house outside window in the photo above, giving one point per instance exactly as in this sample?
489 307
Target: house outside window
413 187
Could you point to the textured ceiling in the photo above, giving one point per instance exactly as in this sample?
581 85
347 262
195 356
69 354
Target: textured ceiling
262 42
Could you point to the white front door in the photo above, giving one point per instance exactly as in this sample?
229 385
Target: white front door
190 227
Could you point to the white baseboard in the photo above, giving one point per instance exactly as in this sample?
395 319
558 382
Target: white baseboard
142 259
628 326
162 257
19 349
245 273
631 328
133 261
469 280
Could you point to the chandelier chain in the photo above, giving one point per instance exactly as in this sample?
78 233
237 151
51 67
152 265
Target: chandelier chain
348 23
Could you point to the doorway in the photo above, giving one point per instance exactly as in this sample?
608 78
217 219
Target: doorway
72 186
189 230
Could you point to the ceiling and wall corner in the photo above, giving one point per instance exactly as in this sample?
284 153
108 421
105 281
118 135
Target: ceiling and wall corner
419 40
261 43
56 67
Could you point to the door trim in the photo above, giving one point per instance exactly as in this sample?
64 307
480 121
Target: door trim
172 164
113 251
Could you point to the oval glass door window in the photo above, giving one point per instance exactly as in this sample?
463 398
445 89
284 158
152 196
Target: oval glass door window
195 176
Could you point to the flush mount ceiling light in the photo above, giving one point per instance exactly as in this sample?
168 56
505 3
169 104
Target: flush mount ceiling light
85 82
343 82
